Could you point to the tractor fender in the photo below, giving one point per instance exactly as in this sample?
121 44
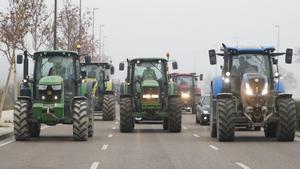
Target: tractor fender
224 95
217 86
124 90
284 95
109 86
279 87
29 99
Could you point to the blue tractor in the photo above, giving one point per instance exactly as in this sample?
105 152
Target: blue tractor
249 93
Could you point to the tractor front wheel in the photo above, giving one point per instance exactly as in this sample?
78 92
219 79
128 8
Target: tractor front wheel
21 125
35 129
126 118
80 120
109 107
225 119
175 115
287 119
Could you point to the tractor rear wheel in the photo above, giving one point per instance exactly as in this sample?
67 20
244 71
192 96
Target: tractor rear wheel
270 130
21 125
175 115
225 119
80 120
35 129
287 119
126 118
109 108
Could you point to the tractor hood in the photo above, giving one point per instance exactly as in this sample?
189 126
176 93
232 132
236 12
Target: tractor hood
51 80
149 83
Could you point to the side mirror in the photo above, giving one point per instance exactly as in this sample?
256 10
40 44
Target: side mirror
121 66
87 59
112 70
275 61
212 57
201 77
289 56
174 65
19 59
83 74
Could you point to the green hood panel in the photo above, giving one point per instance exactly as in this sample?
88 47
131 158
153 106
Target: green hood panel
150 83
51 80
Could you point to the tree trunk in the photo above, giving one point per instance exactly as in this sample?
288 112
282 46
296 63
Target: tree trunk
4 91
15 74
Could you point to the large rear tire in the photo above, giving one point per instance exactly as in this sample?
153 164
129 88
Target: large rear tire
270 130
287 119
175 115
109 107
80 120
21 125
225 119
126 118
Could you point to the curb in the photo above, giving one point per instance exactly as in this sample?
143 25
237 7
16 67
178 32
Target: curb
6 135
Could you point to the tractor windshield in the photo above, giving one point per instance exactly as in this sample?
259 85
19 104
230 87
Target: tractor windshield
149 71
250 63
184 82
93 71
57 66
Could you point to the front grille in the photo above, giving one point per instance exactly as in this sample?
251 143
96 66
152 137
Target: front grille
49 94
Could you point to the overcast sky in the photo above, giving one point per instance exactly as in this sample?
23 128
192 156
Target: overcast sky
188 28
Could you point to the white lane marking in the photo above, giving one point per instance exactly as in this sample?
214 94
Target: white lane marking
8 142
110 135
104 147
213 147
13 140
94 165
196 135
114 127
184 128
242 165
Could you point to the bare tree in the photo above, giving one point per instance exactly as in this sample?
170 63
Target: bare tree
40 28
70 34
14 27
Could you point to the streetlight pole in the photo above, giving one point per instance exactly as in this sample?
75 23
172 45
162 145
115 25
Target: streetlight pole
103 43
93 36
80 22
54 25
278 36
100 42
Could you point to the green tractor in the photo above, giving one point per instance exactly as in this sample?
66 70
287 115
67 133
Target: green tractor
56 94
98 74
149 95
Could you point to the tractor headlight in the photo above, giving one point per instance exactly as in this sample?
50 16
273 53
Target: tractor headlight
226 79
227 74
42 87
56 87
265 91
205 112
43 97
146 96
249 91
154 96
185 95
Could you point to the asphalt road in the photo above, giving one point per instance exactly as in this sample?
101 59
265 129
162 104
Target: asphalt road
148 147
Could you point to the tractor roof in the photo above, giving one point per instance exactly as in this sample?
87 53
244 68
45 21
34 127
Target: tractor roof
250 50
149 59
56 53
96 63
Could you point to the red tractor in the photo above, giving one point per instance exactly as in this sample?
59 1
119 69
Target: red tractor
188 88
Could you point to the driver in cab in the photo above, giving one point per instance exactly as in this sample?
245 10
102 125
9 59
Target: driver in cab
149 74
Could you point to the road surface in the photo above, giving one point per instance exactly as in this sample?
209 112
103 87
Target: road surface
146 148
